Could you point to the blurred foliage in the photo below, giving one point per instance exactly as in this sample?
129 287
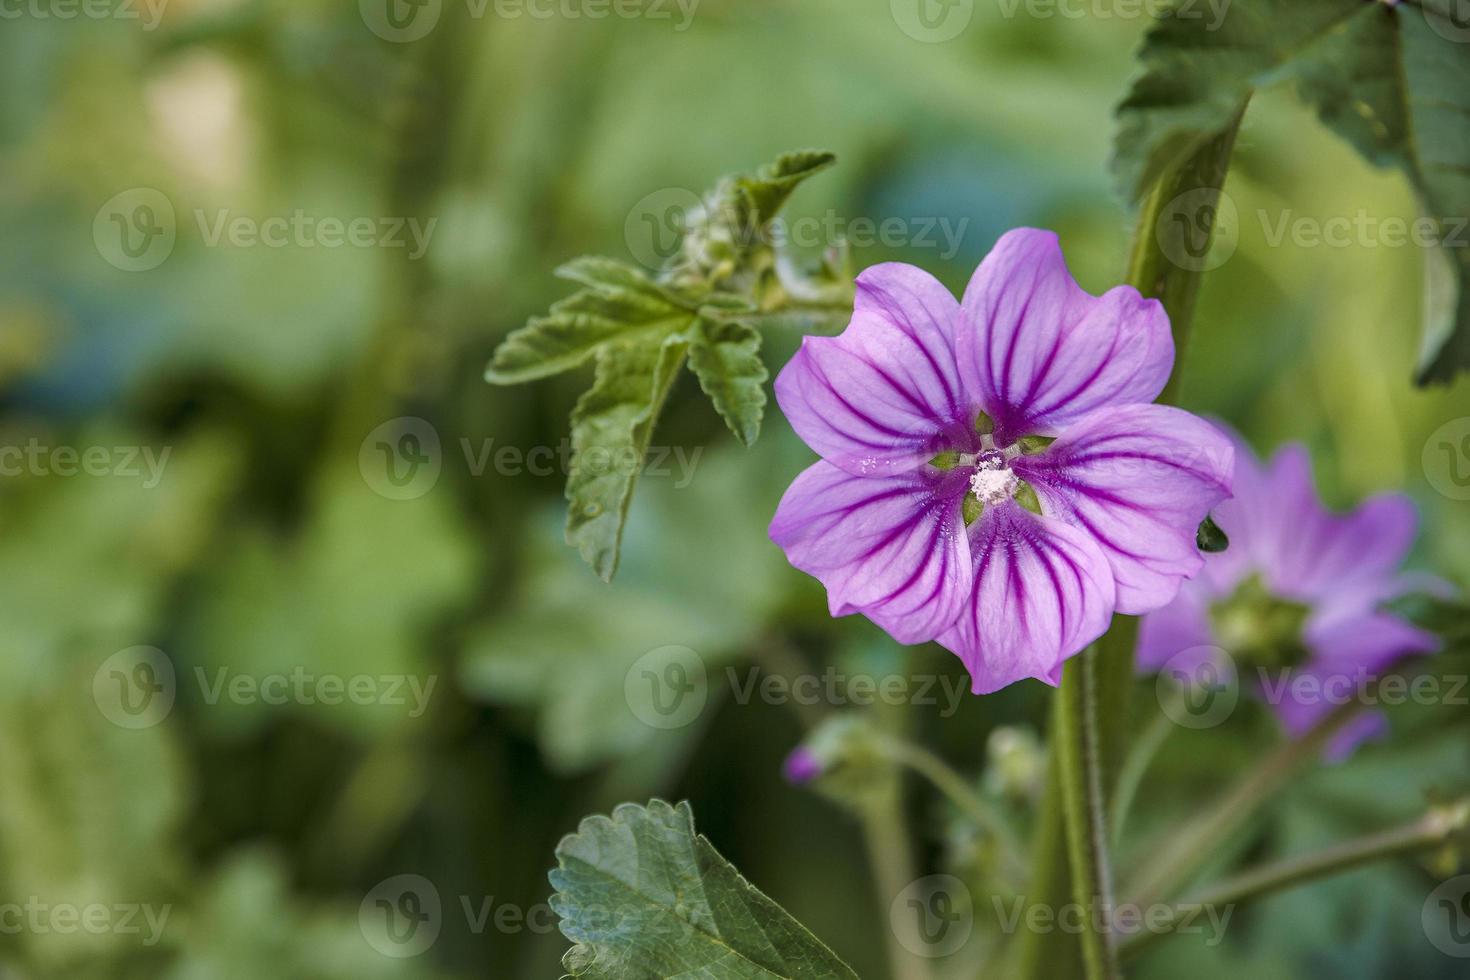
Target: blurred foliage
268 546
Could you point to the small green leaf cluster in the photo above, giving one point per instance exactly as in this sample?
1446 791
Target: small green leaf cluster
700 310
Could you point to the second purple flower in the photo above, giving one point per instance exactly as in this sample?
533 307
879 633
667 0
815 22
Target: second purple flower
993 475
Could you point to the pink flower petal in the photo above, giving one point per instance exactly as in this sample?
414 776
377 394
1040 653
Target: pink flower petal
892 548
1138 480
1040 352
1041 592
881 397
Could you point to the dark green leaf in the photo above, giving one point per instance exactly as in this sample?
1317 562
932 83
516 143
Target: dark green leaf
1391 81
611 426
642 895
726 358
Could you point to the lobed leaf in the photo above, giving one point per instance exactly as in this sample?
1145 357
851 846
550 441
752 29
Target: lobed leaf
725 356
642 895
640 330
611 426
620 304
767 192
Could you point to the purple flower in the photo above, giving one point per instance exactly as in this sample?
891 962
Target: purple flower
993 476
801 766
1297 596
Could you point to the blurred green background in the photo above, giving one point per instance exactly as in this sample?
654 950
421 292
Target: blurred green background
269 544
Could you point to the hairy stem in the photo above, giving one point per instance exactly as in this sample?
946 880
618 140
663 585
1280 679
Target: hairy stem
1435 829
1171 864
1075 737
958 790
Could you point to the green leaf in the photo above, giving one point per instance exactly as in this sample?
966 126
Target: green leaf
766 193
611 426
1390 81
726 358
643 896
620 304
640 330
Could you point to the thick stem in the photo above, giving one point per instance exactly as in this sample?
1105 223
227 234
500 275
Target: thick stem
1173 863
1431 831
1152 269
1075 736
1154 274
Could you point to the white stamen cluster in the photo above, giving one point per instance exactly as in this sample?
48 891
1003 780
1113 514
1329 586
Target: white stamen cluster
993 483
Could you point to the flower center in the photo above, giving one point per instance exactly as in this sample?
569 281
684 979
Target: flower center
1259 628
993 482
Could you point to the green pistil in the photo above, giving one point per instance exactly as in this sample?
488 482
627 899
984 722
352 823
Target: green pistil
1260 629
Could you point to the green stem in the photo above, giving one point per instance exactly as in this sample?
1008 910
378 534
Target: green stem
1151 270
1075 737
1433 830
958 790
893 871
1136 766
1154 274
1172 863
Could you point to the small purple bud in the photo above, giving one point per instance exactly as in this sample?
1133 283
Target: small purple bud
801 766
